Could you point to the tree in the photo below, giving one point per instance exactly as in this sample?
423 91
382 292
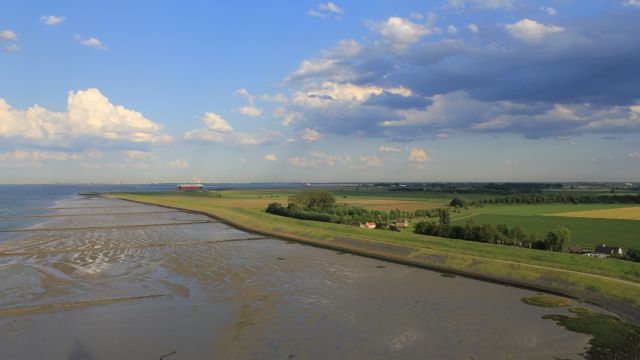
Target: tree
558 239
320 199
458 202
444 216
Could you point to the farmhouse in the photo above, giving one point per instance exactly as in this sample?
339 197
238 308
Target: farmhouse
402 222
609 250
368 225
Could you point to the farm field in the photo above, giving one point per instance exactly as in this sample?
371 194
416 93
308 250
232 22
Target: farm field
629 213
584 231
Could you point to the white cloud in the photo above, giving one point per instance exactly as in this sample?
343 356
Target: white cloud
452 29
310 68
400 31
271 157
549 10
473 28
286 116
8 35
139 155
216 122
326 9
389 149
530 30
418 155
52 20
369 161
204 135
634 155
250 110
635 3
330 92
179 164
485 4
21 155
91 42
10 49
89 114
310 135
331 7
441 136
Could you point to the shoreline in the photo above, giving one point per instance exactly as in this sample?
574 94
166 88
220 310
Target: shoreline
405 255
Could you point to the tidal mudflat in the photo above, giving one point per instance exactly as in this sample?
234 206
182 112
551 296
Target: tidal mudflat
103 278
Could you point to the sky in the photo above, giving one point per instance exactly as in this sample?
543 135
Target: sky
307 91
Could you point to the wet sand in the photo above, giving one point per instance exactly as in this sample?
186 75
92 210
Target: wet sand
112 279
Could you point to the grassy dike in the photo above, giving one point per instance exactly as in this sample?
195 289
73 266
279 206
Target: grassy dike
609 283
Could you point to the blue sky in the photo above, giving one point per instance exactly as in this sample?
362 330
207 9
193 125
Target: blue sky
448 90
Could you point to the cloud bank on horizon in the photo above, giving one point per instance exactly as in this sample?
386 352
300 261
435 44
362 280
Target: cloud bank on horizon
388 89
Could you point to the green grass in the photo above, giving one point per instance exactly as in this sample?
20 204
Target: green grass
547 301
612 338
584 231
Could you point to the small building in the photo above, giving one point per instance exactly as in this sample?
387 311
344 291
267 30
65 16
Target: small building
596 255
609 250
368 225
402 222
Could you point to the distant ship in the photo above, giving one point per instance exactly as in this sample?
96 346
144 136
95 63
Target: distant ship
190 187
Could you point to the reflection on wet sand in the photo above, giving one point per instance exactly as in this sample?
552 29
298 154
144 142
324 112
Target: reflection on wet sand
104 286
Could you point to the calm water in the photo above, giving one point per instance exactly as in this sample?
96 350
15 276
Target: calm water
108 279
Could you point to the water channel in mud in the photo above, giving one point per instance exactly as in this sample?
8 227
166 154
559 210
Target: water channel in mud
100 278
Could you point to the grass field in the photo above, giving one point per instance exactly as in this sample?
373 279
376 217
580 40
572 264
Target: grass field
608 280
585 231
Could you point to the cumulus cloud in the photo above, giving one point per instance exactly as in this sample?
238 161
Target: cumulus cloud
250 109
418 155
326 9
218 130
400 31
310 135
389 149
8 35
491 83
330 7
271 157
90 42
473 28
89 115
52 20
452 29
530 30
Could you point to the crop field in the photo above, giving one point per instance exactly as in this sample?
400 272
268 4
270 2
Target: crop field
584 231
629 213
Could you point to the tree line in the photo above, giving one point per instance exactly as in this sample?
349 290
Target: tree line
555 240
554 198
